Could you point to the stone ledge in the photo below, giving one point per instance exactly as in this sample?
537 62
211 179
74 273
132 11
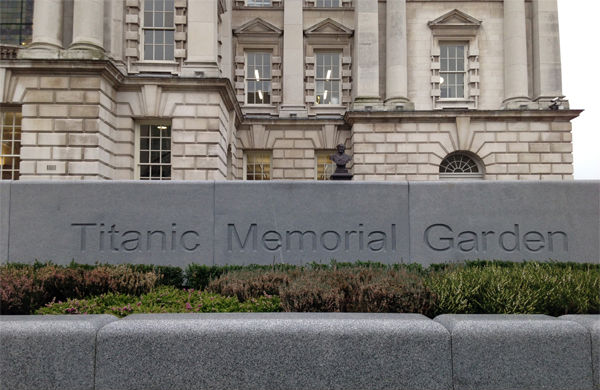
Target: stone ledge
298 351
49 352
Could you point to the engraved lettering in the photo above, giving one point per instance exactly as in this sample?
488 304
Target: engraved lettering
271 237
516 239
163 235
449 241
288 236
467 241
377 241
565 240
83 234
183 243
232 230
337 240
534 238
135 240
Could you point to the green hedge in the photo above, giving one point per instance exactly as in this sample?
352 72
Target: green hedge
471 287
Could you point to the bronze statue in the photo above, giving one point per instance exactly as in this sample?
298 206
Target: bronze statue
341 159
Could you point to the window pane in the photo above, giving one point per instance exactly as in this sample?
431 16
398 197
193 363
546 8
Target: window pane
169 19
158 19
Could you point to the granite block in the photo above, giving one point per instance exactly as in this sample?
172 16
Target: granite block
454 221
274 351
112 222
592 323
301 222
524 352
4 218
49 352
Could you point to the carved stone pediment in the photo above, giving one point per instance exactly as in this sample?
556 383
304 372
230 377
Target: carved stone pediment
455 20
258 28
328 28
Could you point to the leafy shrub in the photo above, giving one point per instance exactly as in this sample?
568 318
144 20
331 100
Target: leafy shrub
526 288
19 293
363 289
247 284
199 276
23 289
165 299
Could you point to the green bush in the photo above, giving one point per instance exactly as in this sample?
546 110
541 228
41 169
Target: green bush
165 299
247 284
23 289
362 289
525 288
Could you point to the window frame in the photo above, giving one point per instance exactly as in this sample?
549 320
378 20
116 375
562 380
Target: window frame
464 72
479 175
338 79
143 35
15 157
269 79
261 3
324 153
328 6
24 23
137 150
253 153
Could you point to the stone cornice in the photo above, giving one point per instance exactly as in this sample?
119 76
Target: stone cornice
352 117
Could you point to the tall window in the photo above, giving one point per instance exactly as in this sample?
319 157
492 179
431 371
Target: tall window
258 3
328 80
10 139
452 71
159 30
16 21
258 78
257 165
328 3
154 155
325 167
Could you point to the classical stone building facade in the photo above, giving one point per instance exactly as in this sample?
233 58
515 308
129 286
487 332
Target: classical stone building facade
265 89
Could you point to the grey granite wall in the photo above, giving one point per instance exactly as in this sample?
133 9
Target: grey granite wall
177 223
299 351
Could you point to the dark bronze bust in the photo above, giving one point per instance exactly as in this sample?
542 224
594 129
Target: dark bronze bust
341 159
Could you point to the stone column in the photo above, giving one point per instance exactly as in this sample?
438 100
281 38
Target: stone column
202 39
88 25
396 69
47 24
515 54
293 60
547 78
366 53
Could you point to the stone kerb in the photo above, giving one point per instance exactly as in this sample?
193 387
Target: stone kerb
274 351
592 324
207 222
518 352
49 352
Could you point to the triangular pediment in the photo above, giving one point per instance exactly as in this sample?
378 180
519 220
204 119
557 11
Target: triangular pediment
328 27
259 27
455 18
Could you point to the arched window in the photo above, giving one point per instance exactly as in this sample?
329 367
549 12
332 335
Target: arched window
461 165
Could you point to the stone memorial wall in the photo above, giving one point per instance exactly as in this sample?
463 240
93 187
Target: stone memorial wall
178 223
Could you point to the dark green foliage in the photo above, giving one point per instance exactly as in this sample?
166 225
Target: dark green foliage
23 289
165 299
526 288
471 287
